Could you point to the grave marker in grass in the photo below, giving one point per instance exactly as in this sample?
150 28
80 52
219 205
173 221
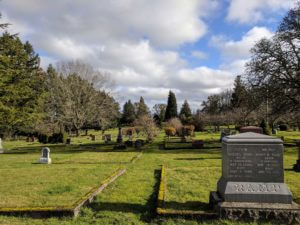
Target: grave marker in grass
1 148
45 159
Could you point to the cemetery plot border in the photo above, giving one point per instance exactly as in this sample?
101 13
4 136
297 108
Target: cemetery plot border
136 157
71 210
162 198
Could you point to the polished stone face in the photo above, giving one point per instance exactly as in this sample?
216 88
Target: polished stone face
252 169
253 162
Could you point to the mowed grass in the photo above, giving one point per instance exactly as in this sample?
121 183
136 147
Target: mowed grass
131 199
74 171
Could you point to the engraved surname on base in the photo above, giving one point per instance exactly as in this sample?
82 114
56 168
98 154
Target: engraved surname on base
256 188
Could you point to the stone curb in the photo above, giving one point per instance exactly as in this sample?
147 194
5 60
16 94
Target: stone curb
162 197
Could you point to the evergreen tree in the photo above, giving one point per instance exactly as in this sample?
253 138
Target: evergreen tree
185 114
21 85
3 25
238 94
128 115
142 108
265 126
171 110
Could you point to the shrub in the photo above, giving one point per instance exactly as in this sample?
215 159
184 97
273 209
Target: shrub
137 129
170 131
266 128
58 138
43 138
175 123
188 130
199 124
148 126
283 127
130 131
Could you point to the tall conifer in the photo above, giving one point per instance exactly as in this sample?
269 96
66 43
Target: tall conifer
171 110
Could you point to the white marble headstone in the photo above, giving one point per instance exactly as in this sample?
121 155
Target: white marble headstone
45 159
1 148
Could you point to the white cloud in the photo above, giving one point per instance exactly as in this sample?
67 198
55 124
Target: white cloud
137 42
231 49
203 79
127 20
254 10
235 53
199 54
235 67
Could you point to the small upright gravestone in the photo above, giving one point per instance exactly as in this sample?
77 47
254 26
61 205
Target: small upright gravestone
223 134
45 159
252 183
93 137
297 165
107 138
120 137
120 144
138 144
68 141
1 148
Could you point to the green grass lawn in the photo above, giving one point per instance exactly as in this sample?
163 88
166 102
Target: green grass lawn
131 199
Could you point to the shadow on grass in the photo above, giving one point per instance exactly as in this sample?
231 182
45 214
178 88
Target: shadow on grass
147 211
87 163
213 151
290 169
191 159
190 205
117 207
68 149
151 204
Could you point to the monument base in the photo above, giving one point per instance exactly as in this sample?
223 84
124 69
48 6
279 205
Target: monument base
257 192
1 151
45 160
286 213
297 166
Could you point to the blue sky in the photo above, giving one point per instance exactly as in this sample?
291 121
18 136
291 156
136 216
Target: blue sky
194 47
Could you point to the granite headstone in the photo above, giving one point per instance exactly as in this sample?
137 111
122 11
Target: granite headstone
252 169
252 176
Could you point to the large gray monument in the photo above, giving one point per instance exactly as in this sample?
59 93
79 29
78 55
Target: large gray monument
252 178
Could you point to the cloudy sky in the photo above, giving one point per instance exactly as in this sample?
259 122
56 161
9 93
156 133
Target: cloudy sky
193 47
